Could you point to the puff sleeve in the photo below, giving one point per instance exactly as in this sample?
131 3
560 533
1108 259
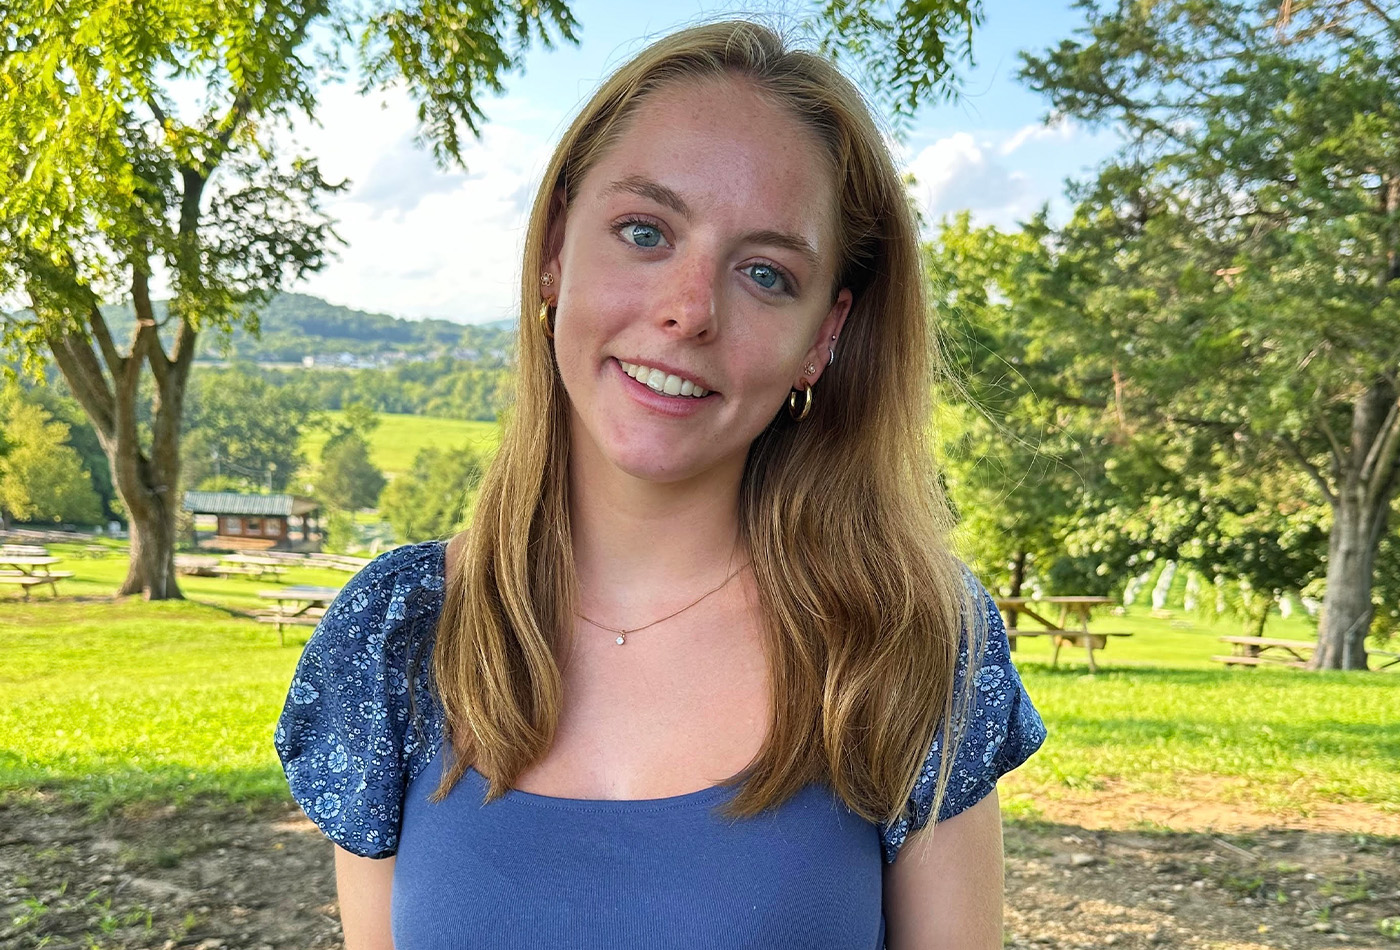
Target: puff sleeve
1001 731
344 736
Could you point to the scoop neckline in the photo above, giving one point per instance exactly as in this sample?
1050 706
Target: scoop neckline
701 796
698 797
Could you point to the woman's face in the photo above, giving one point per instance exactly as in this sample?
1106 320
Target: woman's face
702 249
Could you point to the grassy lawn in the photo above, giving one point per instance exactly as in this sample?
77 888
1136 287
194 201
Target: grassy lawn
113 703
398 438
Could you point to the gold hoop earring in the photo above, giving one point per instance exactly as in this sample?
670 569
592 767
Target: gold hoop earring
799 414
547 320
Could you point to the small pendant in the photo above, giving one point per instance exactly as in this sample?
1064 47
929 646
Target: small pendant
621 639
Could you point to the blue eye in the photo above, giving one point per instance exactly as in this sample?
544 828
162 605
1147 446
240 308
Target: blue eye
767 277
641 234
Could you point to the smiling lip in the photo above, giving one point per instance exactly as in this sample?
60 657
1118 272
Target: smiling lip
673 407
673 371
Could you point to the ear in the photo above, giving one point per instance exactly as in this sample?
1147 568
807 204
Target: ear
819 356
554 236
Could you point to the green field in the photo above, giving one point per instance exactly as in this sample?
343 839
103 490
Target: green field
398 438
117 703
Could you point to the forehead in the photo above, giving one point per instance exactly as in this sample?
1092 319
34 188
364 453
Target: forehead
731 151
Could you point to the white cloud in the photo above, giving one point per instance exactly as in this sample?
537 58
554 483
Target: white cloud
421 241
1057 128
957 173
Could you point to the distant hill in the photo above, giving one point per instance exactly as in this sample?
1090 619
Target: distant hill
298 327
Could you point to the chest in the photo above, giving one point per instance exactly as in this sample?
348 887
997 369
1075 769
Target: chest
529 873
661 715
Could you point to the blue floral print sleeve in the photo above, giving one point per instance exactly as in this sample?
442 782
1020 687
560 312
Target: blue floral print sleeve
1001 731
345 737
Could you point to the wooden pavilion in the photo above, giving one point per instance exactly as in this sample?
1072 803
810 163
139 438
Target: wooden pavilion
258 522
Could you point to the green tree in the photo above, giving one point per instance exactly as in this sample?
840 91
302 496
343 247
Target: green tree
348 479
41 476
1011 456
436 498
239 426
1235 268
1052 476
104 182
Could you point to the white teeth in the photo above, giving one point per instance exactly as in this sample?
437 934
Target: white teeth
662 382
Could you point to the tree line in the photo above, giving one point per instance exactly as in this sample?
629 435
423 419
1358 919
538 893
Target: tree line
1200 364
243 432
1203 363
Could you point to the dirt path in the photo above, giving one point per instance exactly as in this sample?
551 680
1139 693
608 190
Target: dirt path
211 878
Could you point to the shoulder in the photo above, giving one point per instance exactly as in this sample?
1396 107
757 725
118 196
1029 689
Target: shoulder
995 727
389 584
359 719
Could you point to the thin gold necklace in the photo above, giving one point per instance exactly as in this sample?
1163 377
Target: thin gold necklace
622 634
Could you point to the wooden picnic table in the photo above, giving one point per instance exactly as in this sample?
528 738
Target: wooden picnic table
1076 606
30 570
298 604
1274 651
251 566
1267 651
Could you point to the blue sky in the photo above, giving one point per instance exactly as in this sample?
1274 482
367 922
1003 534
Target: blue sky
423 242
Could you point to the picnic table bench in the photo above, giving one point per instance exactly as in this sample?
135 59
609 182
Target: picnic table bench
29 570
1273 651
26 581
249 565
300 604
1062 634
1266 651
255 571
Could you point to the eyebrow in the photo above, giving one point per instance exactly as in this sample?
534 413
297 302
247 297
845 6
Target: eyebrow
655 191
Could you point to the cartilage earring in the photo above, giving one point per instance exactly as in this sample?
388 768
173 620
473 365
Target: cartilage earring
831 352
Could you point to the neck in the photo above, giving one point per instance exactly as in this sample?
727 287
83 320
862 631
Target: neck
641 545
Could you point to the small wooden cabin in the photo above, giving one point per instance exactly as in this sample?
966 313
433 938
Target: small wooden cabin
258 522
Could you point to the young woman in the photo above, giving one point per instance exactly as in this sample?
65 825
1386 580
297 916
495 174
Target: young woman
689 677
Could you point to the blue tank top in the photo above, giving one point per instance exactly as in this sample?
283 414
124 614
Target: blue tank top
361 739
532 871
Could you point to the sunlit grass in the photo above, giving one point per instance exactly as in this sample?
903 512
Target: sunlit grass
398 438
110 703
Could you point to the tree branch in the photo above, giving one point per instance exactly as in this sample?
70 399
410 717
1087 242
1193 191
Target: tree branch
115 362
1376 9
182 353
1376 470
1339 454
87 382
1310 468
146 321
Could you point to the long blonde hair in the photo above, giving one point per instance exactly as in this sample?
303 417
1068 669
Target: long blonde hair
863 604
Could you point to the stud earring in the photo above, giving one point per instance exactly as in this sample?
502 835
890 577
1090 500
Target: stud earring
547 279
811 368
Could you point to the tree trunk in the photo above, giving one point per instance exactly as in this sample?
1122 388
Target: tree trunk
1018 579
151 568
148 486
1360 507
1347 608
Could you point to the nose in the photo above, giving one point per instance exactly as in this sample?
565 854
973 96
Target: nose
690 308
